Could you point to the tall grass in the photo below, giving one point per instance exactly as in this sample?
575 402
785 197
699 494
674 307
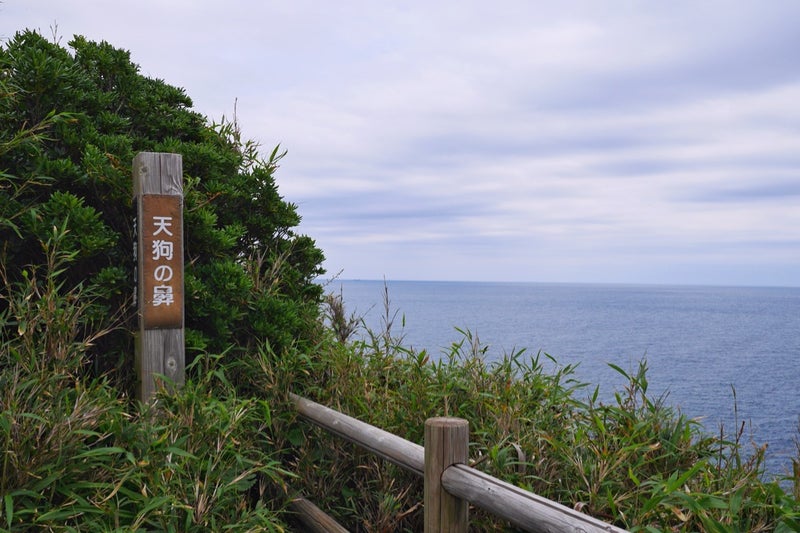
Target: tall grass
79 456
633 460
228 452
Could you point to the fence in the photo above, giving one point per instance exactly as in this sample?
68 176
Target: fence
450 485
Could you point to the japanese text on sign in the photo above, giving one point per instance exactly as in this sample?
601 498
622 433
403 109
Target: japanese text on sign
163 261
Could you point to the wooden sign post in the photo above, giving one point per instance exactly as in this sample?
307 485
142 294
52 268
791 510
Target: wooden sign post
158 195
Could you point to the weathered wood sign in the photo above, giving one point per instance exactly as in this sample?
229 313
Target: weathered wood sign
158 195
162 261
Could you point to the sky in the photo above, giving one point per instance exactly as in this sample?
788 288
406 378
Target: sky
574 141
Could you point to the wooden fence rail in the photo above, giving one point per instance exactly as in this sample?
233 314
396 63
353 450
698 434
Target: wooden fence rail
450 485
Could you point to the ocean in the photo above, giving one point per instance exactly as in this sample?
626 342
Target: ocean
724 354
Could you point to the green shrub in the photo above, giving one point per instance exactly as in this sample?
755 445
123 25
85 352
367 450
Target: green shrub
78 455
632 461
70 125
75 458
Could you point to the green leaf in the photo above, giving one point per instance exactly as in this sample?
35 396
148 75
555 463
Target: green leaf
154 503
9 509
736 501
675 482
108 450
180 452
633 477
296 437
619 369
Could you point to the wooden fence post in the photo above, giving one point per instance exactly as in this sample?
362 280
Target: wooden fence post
446 444
158 195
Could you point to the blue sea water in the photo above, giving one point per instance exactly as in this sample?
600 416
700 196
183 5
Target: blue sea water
702 344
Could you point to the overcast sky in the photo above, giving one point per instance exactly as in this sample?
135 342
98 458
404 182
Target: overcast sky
559 141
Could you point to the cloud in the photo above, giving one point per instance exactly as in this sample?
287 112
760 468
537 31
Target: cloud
569 141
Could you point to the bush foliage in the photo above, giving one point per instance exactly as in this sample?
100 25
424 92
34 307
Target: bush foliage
70 125
632 461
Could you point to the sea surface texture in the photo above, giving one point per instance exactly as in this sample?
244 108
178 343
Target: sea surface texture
704 346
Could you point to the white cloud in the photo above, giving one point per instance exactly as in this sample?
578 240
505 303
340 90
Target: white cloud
569 141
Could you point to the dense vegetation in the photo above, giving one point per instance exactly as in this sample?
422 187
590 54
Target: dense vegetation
226 451
71 125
